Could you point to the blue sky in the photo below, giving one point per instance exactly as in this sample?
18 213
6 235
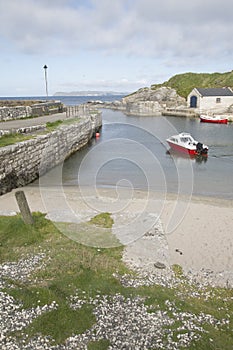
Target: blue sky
119 45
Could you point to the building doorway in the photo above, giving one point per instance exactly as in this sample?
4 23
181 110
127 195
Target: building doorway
193 102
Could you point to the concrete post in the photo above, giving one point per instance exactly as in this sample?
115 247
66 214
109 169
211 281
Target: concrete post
24 208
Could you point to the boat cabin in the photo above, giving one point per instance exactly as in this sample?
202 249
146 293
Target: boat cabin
216 100
182 138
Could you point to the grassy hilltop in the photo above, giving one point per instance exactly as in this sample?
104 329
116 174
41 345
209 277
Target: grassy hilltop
184 83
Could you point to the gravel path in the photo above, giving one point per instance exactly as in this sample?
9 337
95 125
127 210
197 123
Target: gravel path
21 123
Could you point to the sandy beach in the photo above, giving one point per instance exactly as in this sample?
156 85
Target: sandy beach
195 233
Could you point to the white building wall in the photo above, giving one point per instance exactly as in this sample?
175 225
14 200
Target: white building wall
209 103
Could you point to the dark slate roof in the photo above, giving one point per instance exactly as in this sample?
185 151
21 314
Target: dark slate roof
215 92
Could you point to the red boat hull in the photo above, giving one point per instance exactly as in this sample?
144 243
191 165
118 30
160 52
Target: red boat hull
214 121
178 148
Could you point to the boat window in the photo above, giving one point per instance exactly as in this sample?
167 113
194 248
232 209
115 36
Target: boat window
186 139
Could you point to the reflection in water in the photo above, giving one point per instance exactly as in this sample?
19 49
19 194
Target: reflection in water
195 158
132 150
200 159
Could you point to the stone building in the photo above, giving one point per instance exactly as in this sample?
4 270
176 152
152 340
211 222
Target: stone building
217 100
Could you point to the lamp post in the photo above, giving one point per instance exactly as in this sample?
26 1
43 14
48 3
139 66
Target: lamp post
46 80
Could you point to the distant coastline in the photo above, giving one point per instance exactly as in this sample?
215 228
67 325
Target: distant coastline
91 93
68 100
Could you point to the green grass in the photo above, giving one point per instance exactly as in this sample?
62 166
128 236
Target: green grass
99 345
184 83
89 234
16 235
97 232
53 125
71 266
68 322
13 138
50 126
103 220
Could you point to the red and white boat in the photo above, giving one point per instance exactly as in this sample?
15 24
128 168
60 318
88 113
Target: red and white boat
185 143
217 119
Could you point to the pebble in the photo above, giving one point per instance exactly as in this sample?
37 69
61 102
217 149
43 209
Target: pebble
127 322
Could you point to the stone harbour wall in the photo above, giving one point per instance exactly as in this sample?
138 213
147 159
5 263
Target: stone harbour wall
143 108
39 109
10 113
25 130
23 162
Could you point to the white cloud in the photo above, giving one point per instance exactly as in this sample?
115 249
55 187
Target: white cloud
177 35
142 27
122 85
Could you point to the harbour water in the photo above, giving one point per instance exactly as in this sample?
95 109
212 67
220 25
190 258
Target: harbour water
132 152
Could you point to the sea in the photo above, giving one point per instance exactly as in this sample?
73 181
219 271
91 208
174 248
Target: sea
68 100
132 153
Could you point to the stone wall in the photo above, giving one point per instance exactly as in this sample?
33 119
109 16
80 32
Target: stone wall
9 113
181 112
39 109
25 130
143 108
47 108
22 163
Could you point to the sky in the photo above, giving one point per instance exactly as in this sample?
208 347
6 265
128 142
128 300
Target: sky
120 45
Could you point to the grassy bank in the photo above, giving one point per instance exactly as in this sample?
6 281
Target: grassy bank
68 268
13 137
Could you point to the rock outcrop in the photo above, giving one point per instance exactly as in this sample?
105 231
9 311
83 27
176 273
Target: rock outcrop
164 96
147 101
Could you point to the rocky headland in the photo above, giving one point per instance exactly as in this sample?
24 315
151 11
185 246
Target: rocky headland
147 101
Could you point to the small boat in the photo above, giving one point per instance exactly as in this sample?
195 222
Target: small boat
217 119
185 143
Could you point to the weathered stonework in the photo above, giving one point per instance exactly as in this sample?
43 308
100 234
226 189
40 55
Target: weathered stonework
39 109
10 113
22 163
143 108
146 101
25 130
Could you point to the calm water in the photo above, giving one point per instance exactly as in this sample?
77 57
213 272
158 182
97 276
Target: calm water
132 152
67 100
